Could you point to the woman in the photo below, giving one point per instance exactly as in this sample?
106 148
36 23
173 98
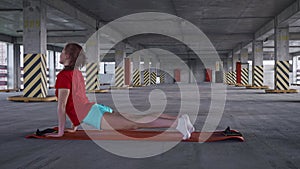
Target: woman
72 101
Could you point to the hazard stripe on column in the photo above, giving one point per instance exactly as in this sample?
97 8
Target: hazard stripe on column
245 76
92 76
153 78
282 75
146 77
234 77
119 77
224 77
229 76
162 77
35 76
136 78
258 73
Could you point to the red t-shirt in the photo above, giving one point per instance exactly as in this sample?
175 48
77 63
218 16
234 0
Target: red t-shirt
78 104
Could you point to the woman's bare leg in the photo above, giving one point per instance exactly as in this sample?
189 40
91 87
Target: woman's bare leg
117 122
152 115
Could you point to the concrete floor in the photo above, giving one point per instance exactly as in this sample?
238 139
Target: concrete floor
270 124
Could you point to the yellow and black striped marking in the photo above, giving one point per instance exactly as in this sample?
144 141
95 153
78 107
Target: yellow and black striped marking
162 77
153 78
224 78
136 78
92 76
282 75
146 77
234 77
35 77
258 78
245 76
119 77
229 78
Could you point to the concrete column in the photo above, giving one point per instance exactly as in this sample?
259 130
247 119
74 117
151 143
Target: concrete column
146 74
17 67
120 54
167 70
282 66
10 67
244 56
52 68
235 58
245 70
153 71
230 71
158 72
92 67
35 32
146 63
136 67
127 65
224 65
219 72
224 70
35 46
257 64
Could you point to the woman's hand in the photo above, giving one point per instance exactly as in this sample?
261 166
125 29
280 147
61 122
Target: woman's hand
71 130
54 134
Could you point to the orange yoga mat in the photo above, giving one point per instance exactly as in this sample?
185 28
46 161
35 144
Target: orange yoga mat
143 136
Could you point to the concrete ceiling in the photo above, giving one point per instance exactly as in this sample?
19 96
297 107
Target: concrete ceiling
229 24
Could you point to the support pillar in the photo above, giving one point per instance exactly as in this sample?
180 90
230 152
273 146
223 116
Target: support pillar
230 79
146 74
245 70
257 64
120 54
219 72
162 77
224 68
52 69
282 66
235 59
136 66
13 65
153 71
17 67
92 76
127 71
92 82
35 46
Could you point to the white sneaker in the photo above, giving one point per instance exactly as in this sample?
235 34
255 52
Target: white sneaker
190 126
182 128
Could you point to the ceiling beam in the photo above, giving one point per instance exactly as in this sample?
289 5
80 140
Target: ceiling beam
11 10
265 31
289 15
286 17
73 12
59 39
7 38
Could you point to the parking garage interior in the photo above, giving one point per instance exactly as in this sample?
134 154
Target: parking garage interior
224 63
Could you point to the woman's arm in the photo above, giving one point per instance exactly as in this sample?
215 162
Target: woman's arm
63 95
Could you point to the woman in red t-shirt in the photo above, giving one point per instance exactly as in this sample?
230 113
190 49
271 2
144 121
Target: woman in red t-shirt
73 102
